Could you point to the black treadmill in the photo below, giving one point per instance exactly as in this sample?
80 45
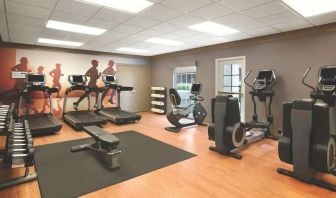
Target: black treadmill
114 114
42 123
79 119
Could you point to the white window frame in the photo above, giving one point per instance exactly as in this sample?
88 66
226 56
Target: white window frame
219 76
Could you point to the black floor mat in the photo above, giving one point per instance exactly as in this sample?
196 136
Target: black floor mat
65 174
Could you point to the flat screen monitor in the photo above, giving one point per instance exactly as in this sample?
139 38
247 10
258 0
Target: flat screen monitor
108 79
196 88
77 79
265 75
35 78
328 73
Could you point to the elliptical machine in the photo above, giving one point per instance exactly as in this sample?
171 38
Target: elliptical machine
228 132
180 114
309 132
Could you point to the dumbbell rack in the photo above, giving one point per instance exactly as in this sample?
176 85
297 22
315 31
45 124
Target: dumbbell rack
18 152
159 100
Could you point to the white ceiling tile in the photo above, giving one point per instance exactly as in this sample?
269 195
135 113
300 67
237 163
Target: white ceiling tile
212 11
149 33
262 31
127 28
237 36
160 12
4 31
136 37
124 42
27 10
180 34
55 34
239 22
83 38
101 23
16 18
243 4
267 9
112 15
76 7
96 43
19 36
2 5
68 17
185 20
280 18
142 22
195 38
185 5
23 27
39 3
113 35
323 19
166 28
292 25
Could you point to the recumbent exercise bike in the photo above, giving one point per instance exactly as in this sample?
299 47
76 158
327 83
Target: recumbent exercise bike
227 130
179 116
309 132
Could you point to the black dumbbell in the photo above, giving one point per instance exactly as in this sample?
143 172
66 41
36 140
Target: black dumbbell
14 140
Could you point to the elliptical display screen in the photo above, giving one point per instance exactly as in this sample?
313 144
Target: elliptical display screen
196 88
265 75
35 78
328 73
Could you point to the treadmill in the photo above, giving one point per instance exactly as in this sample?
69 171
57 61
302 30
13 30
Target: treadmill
79 119
42 123
114 114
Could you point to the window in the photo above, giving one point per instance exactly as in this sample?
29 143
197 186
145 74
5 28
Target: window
229 79
183 79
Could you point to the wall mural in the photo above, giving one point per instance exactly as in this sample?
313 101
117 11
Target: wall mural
56 67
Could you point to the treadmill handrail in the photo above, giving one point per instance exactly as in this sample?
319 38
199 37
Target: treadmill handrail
37 88
72 88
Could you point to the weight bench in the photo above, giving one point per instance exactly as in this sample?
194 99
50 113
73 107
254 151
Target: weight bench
105 145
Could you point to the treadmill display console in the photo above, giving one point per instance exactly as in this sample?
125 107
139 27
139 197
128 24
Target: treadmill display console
108 79
18 75
35 79
77 79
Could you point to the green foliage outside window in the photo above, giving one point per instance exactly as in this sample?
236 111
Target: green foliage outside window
183 86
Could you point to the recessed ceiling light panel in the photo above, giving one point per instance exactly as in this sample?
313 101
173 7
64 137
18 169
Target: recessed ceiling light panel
308 8
59 42
163 41
69 27
213 28
131 6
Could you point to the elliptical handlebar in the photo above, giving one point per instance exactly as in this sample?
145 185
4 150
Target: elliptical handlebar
246 76
304 78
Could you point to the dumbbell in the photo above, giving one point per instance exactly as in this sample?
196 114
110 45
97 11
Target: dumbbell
19 159
19 140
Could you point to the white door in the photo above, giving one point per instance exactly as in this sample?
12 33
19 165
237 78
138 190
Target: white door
138 77
230 79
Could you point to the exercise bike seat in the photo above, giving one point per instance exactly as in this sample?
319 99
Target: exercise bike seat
102 136
175 97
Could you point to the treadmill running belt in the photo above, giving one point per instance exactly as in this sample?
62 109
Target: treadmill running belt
42 124
78 119
119 113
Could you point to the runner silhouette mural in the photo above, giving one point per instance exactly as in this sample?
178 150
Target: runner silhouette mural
94 75
56 75
19 83
110 70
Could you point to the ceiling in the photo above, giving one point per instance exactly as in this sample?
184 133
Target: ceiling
23 21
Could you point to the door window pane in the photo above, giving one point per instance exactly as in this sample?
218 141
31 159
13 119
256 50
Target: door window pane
235 89
227 69
235 80
236 69
227 81
227 89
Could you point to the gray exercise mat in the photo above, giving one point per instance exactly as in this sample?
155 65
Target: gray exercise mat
65 174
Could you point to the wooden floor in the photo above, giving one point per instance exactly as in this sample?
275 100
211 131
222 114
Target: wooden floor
207 175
